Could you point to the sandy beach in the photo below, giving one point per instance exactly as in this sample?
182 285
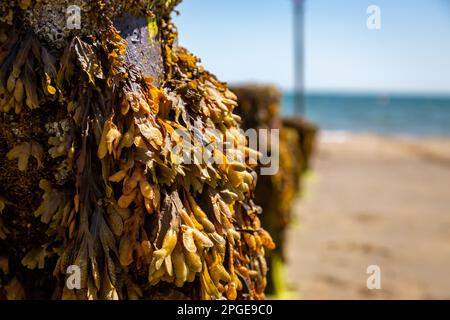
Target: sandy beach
373 200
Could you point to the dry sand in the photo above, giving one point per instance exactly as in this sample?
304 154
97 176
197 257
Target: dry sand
373 201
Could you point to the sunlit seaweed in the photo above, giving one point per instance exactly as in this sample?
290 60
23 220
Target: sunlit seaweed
114 201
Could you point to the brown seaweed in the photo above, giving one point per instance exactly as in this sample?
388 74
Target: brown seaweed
114 200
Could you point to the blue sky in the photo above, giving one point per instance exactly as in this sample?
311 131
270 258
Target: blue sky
251 41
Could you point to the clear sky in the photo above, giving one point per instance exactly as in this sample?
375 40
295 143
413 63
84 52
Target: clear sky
252 40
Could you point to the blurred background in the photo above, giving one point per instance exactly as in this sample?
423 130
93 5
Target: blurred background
377 191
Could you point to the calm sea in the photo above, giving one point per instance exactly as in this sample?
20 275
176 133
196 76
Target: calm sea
410 116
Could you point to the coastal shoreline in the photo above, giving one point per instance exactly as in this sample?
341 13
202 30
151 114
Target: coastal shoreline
373 200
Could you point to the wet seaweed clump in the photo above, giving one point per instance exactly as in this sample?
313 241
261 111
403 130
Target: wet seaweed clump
260 108
89 178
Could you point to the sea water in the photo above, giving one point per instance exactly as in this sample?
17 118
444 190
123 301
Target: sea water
399 115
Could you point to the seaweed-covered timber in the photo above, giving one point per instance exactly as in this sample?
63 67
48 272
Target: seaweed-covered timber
259 107
307 134
86 178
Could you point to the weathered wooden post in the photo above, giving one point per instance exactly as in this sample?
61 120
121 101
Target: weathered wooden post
96 200
260 108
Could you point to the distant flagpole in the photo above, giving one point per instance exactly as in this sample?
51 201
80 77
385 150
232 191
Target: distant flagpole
299 56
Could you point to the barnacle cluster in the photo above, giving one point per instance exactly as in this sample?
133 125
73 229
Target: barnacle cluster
48 18
137 221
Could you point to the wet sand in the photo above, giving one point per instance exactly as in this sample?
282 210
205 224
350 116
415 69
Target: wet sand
373 201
